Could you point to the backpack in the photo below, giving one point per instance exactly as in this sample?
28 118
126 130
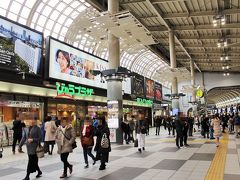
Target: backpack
104 141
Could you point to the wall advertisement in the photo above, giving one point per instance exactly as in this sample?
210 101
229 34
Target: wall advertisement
149 88
158 91
138 85
113 114
73 65
20 47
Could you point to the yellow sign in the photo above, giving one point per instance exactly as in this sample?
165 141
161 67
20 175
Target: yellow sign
199 93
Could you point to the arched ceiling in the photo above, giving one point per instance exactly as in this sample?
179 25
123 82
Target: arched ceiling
224 95
60 19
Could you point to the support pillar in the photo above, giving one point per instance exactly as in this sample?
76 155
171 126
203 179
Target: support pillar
193 85
114 84
173 63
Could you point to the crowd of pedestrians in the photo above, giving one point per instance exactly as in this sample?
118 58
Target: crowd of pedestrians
135 129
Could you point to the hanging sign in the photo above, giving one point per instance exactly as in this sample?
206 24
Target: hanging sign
71 90
199 93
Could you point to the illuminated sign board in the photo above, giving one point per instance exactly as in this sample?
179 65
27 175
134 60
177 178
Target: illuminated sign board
144 101
72 90
72 65
20 47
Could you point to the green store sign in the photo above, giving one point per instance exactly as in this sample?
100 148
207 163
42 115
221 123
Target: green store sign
72 90
141 101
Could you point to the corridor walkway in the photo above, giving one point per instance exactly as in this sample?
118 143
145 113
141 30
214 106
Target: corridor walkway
161 160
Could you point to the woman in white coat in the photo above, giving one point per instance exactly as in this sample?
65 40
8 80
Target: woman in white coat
50 129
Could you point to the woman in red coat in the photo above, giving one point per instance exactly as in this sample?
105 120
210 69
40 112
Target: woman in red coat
87 141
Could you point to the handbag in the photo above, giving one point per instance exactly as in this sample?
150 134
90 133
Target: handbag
74 144
40 151
136 143
87 141
104 141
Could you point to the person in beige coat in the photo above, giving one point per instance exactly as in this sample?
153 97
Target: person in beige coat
50 129
217 128
65 137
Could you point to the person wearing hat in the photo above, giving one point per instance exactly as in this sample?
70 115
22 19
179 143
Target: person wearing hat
87 133
32 137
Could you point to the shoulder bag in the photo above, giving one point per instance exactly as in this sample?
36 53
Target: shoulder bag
74 144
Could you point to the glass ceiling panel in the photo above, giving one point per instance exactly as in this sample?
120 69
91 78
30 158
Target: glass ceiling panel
54 17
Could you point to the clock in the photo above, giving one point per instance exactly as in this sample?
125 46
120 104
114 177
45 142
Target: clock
199 93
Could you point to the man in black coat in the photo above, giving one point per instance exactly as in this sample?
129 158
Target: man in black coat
179 129
190 123
17 133
158 122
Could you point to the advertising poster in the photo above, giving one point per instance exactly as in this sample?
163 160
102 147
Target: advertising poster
73 65
113 114
112 135
138 85
158 91
149 88
20 48
165 90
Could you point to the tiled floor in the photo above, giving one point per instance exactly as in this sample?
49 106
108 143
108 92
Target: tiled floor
161 161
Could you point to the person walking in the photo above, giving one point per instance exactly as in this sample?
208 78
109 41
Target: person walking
132 128
126 130
32 137
158 122
179 132
217 128
50 133
87 141
65 137
147 125
17 128
205 126
141 131
103 146
168 124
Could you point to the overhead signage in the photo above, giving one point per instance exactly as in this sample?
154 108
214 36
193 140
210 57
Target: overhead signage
20 47
71 90
73 65
141 101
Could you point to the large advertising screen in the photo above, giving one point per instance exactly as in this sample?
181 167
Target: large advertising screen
20 47
149 88
73 65
138 85
158 91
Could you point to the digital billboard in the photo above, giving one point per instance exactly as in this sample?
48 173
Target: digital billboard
73 65
158 91
149 84
138 85
20 47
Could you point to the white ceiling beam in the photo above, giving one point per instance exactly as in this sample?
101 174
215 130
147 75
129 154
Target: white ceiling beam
204 37
194 28
165 1
124 2
166 24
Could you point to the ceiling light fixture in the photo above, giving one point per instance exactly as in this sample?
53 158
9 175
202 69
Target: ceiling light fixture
219 20
222 43
224 57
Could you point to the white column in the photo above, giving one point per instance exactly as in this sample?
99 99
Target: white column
173 63
193 80
114 85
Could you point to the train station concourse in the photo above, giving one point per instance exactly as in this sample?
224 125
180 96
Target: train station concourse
120 89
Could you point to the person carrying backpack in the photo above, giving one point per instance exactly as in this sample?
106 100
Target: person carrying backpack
103 146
